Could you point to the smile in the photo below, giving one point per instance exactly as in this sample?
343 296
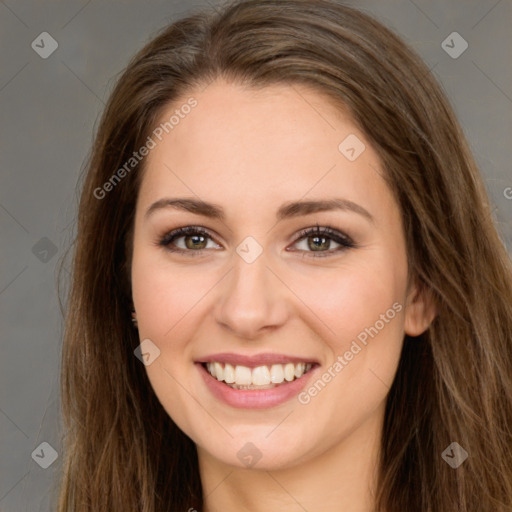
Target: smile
255 382
261 377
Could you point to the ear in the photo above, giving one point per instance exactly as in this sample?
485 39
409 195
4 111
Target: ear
420 310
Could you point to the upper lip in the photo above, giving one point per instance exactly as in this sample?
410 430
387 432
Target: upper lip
254 360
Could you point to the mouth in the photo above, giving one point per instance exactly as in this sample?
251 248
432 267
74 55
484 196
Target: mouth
262 377
255 382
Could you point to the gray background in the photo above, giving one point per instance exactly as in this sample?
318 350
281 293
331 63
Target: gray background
49 110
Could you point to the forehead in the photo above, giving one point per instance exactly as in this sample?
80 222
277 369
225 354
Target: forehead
240 144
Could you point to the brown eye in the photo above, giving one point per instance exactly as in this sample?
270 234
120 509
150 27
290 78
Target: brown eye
319 241
195 240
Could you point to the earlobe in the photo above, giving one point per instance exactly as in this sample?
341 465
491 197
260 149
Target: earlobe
420 311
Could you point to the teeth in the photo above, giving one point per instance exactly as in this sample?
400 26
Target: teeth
289 371
219 371
242 375
277 373
299 369
260 376
229 374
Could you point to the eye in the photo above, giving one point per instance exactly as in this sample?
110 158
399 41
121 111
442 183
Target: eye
318 238
195 239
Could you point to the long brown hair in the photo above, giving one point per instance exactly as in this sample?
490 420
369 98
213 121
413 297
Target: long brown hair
454 382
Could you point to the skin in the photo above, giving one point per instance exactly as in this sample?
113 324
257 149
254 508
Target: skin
250 151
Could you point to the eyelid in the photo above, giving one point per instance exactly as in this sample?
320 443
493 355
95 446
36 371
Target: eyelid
333 234
339 237
169 236
325 230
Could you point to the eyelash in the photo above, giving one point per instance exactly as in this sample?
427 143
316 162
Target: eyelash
326 232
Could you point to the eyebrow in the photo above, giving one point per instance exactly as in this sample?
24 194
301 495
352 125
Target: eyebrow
287 210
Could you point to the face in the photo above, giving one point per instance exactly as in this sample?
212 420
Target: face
265 288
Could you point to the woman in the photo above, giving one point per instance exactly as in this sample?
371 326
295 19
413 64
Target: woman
258 374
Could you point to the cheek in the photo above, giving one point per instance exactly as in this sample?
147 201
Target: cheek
164 295
361 310
166 301
351 298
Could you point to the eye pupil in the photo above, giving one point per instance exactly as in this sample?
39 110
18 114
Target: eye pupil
318 245
194 245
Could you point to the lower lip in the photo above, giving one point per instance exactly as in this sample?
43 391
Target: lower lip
254 399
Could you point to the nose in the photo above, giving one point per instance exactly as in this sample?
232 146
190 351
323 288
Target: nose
252 299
